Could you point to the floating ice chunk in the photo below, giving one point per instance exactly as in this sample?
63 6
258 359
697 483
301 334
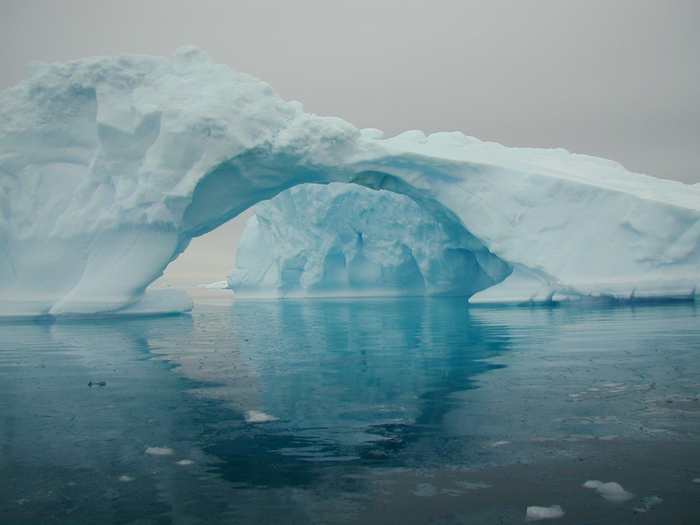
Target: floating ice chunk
544 513
253 416
184 462
611 491
500 443
696 480
159 451
125 479
592 484
649 504
614 492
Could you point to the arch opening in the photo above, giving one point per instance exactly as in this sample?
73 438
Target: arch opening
362 239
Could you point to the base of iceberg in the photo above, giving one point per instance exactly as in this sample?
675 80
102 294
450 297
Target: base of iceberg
151 303
158 302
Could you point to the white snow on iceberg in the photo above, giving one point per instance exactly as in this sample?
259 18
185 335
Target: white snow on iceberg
109 166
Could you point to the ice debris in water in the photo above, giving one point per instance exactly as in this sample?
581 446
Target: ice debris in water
611 491
159 451
544 513
125 478
592 484
649 504
254 416
184 462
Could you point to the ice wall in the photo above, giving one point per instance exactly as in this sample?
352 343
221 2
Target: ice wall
109 166
345 240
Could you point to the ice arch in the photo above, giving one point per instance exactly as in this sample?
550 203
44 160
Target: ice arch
109 166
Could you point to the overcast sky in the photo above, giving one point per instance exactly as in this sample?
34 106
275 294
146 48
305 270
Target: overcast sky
616 79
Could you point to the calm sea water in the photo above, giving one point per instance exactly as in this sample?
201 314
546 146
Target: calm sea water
310 411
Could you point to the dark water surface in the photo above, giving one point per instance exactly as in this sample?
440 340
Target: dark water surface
352 411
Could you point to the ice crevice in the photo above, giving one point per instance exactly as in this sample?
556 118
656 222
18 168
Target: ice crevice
110 165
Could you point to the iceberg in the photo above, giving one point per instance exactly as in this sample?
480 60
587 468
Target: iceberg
109 166
338 239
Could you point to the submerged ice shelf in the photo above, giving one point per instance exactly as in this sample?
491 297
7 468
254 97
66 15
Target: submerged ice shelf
109 166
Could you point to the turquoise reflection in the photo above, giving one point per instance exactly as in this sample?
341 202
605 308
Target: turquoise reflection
354 380
259 402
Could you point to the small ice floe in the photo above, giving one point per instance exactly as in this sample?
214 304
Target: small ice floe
696 480
426 490
500 443
184 462
649 504
159 451
543 513
609 437
125 479
611 491
253 416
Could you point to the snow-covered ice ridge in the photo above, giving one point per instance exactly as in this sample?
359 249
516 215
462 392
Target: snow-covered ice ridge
109 166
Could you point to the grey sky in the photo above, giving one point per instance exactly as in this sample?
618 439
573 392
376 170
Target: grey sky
616 79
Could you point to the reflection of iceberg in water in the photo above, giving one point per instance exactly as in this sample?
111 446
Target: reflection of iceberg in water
601 373
76 452
50 367
356 386
359 376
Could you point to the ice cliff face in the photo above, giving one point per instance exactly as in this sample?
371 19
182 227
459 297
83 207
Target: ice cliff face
346 240
109 166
